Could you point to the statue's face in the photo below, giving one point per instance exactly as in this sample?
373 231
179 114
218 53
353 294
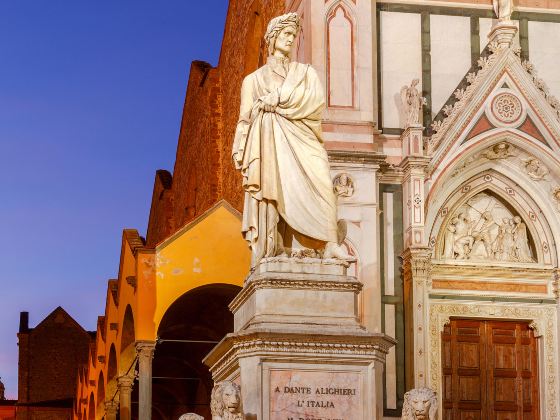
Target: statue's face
421 408
285 40
231 399
502 147
533 165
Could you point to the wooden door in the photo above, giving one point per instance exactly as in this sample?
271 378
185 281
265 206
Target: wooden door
489 371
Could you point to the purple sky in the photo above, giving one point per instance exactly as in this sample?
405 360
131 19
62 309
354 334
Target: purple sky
91 95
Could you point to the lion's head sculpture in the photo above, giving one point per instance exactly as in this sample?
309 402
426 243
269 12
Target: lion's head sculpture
226 401
420 404
191 416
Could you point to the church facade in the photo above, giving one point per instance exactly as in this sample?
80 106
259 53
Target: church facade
452 215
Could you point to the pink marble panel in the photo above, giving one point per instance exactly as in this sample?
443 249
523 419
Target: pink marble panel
315 395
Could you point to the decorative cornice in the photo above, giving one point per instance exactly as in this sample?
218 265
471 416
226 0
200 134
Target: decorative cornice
342 156
485 271
410 163
331 283
244 344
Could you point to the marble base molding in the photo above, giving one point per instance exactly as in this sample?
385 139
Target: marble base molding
298 350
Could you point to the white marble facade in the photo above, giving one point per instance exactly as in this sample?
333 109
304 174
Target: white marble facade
486 187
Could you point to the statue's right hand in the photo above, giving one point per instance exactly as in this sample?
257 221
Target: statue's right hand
269 102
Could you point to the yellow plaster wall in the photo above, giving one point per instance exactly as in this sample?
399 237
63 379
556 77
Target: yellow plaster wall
208 250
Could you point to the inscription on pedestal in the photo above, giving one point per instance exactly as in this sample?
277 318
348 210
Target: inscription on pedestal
313 395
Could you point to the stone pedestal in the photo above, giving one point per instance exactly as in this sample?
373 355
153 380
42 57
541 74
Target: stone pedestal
413 140
298 350
503 34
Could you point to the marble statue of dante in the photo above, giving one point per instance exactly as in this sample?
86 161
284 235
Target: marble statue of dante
503 9
289 199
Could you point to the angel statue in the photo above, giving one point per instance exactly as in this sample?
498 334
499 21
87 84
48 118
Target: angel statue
289 207
503 9
412 103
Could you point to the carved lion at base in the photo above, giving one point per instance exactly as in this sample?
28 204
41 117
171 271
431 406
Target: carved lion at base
191 416
420 404
226 401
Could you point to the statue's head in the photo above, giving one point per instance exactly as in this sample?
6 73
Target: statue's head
420 404
226 397
281 33
500 147
415 82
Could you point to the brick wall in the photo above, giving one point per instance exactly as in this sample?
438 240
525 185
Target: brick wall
197 173
161 222
49 357
203 172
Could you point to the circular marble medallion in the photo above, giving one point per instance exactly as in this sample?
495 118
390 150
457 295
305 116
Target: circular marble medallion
507 108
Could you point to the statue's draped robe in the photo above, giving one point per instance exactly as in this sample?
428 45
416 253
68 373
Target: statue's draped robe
282 158
503 9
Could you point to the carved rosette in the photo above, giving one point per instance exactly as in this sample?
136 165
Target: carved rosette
506 109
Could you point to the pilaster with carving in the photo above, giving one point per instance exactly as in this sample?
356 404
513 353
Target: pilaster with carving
417 268
414 168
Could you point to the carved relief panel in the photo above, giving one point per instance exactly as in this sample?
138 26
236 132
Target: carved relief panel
490 219
485 229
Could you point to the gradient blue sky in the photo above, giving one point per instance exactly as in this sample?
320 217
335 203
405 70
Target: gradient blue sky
91 95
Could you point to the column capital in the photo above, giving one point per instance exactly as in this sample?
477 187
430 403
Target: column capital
415 164
417 262
125 381
145 348
111 407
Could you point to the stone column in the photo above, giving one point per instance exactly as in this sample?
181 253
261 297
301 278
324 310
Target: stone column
417 265
145 351
124 385
111 408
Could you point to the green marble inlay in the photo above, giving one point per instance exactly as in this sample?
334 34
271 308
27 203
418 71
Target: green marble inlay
397 299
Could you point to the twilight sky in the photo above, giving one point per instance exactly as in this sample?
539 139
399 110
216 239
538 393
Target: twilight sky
91 96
